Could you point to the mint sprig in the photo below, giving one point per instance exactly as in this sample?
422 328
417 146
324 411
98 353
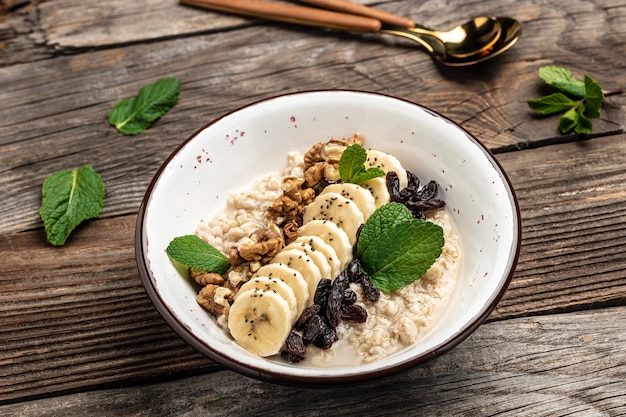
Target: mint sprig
194 252
578 100
352 166
133 115
68 198
396 249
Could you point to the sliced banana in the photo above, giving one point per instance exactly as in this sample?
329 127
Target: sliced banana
387 163
338 209
274 284
318 257
293 278
303 263
260 321
360 195
378 188
332 235
317 244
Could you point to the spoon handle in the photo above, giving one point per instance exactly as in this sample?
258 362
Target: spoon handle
291 14
347 6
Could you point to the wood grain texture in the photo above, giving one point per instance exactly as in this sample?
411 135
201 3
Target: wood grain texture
523 367
49 106
573 258
76 318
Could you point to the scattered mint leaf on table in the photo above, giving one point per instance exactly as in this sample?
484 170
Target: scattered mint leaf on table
132 116
578 100
352 166
68 198
194 252
396 249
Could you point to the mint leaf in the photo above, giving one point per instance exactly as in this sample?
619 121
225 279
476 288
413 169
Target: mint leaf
68 198
369 174
396 250
577 113
352 166
194 252
562 79
594 97
552 104
386 216
132 116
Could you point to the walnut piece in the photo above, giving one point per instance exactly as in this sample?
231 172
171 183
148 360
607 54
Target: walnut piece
291 231
205 278
265 245
290 205
215 299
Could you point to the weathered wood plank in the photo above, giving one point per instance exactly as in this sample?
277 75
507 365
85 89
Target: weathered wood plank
572 218
54 105
574 235
541 366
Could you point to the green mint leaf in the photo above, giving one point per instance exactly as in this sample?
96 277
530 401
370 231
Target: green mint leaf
369 174
569 120
386 216
563 80
552 104
352 166
70 197
395 250
132 116
584 124
352 161
194 252
594 97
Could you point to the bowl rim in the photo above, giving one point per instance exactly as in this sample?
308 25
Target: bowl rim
313 380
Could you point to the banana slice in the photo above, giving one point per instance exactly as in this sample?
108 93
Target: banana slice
303 263
387 163
338 209
378 188
318 257
293 278
333 235
260 321
361 196
276 285
317 244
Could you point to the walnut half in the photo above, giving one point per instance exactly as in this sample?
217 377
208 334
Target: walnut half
215 299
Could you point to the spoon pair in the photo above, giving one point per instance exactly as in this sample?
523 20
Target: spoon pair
475 41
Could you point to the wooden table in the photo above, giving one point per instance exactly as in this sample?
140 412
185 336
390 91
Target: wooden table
79 336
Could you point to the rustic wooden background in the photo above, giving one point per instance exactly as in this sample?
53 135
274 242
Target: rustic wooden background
77 332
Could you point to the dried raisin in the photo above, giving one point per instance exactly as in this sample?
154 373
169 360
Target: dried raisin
308 312
371 291
353 313
321 293
349 297
335 299
294 350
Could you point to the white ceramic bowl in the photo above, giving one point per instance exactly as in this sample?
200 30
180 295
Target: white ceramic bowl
230 152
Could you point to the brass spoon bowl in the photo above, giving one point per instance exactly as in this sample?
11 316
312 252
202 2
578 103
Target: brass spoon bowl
477 40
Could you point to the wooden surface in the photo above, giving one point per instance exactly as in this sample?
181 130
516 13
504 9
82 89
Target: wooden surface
78 335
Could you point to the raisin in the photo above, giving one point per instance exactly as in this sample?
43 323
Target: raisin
294 350
321 293
353 313
354 271
335 299
393 186
428 191
414 181
315 327
308 312
326 339
371 291
349 297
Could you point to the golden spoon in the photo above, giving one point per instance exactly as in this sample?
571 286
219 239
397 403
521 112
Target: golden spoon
475 41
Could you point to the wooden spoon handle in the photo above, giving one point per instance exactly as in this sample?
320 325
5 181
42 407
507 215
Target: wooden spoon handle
347 6
291 13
